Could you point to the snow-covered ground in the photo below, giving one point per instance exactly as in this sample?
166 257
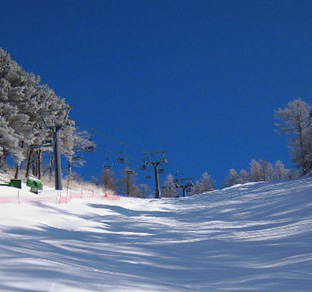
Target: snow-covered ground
253 237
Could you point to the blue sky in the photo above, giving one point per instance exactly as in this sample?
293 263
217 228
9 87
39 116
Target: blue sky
198 79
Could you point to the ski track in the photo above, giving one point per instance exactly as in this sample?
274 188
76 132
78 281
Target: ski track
253 237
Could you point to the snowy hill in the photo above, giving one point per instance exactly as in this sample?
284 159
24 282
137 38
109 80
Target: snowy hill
253 237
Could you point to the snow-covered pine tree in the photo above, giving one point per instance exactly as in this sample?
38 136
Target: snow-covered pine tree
204 184
295 120
280 172
107 180
169 189
244 176
22 99
267 170
255 170
127 183
145 190
232 178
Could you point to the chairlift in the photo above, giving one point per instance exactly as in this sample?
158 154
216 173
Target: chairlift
107 162
77 158
143 167
130 171
148 174
121 160
161 170
89 148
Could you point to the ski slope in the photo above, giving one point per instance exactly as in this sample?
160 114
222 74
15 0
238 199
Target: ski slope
253 237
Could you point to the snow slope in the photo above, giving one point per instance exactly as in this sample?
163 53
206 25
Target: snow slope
253 237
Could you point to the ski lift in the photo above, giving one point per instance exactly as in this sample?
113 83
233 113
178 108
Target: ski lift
145 164
130 171
77 158
107 162
161 170
148 174
143 167
89 148
121 159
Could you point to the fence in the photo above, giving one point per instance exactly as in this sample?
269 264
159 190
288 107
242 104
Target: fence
58 198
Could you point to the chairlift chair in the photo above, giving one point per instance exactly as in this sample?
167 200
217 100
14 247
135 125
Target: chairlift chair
77 158
148 174
107 162
89 148
121 160
143 167
130 171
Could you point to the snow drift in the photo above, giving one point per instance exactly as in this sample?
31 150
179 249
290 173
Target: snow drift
253 237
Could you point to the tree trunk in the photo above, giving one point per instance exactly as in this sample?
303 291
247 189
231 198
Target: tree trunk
29 160
39 163
70 167
16 176
50 166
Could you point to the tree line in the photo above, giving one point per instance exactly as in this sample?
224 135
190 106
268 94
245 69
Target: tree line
27 107
295 121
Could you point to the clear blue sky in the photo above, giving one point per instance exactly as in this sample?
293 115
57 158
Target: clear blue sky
199 79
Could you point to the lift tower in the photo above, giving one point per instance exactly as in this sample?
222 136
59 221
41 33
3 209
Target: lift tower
186 184
155 159
56 125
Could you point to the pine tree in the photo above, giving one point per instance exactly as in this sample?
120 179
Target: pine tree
267 170
107 180
169 189
280 172
244 176
127 183
232 178
296 121
255 171
22 99
204 184
145 190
